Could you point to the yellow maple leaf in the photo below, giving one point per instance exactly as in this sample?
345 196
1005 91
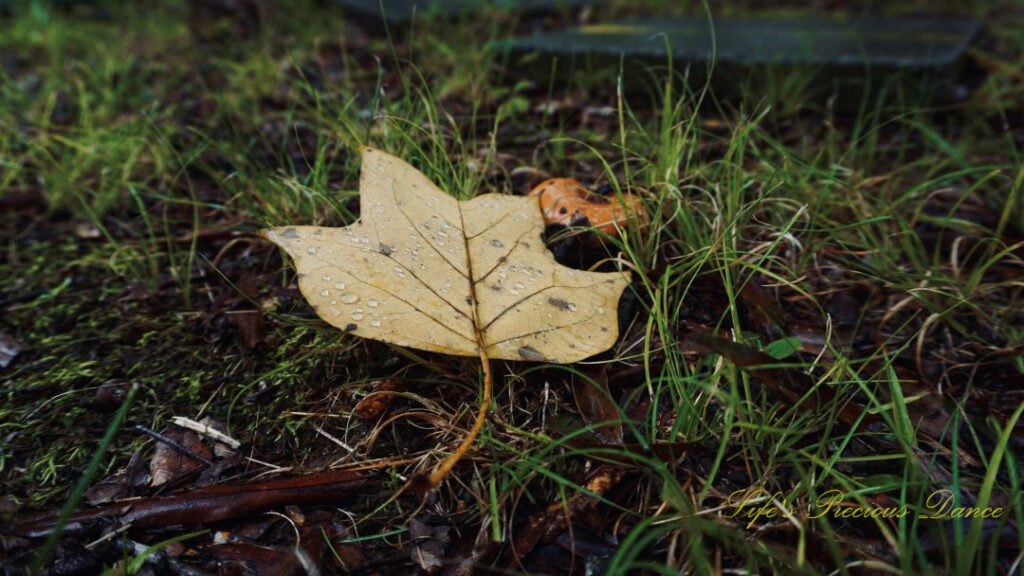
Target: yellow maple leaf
471 278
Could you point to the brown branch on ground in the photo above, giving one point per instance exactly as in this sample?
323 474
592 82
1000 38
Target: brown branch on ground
208 504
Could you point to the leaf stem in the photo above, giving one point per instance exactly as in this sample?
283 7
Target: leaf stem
485 401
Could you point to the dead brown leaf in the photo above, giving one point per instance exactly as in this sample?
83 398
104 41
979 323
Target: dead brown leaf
595 403
379 400
170 463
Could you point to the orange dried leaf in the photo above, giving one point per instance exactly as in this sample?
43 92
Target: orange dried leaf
567 201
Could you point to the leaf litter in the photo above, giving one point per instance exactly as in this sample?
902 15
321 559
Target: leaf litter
468 278
426 271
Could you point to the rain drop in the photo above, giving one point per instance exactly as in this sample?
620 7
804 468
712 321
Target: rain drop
372 303
311 251
350 298
340 285
375 324
325 292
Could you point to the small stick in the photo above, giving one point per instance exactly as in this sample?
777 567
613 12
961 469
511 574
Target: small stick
211 433
173 444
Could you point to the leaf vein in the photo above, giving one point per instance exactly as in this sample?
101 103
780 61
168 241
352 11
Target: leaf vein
429 243
527 297
501 260
542 330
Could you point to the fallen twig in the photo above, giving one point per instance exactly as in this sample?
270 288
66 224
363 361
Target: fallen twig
209 504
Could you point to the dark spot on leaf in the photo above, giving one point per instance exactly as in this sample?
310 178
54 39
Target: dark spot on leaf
386 250
530 353
579 221
496 287
501 260
562 304
525 245
350 327
497 243
290 233
604 329
469 301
